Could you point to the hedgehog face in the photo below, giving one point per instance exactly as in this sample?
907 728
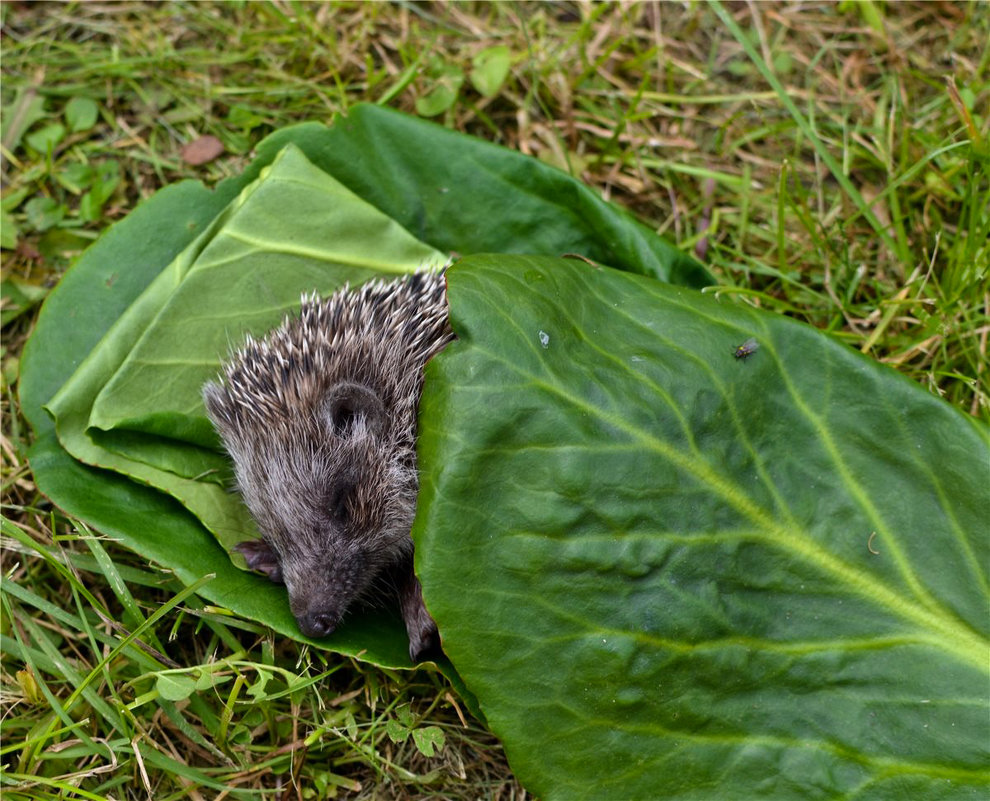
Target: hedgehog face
333 493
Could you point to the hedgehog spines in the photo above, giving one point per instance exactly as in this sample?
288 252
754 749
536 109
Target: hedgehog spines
381 332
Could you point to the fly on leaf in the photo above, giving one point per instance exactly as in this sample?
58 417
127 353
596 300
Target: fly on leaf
747 349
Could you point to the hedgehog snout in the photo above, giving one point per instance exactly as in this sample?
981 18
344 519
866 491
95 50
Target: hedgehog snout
319 613
322 588
318 623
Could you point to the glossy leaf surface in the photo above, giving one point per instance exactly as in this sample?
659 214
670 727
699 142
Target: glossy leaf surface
668 572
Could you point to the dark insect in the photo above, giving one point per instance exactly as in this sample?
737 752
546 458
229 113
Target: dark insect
747 349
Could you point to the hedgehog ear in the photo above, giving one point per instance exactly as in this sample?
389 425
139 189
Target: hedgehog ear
347 402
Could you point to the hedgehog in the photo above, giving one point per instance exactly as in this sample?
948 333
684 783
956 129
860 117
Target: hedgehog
319 418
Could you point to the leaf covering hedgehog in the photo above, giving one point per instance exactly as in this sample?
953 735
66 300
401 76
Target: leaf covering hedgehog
320 420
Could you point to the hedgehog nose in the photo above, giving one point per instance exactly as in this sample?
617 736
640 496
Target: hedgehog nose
317 624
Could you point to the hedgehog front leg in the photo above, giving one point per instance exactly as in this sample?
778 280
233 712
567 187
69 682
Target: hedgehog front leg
424 638
260 556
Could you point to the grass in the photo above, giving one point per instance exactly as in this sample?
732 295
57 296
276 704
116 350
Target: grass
829 162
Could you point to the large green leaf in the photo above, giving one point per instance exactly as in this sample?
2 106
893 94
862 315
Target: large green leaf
464 195
293 229
93 294
124 410
670 573
145 520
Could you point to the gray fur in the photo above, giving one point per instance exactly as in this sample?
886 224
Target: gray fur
320 420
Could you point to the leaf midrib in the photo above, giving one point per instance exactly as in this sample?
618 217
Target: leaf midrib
946 632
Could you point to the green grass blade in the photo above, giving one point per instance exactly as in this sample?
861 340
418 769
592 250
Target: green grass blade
802 123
